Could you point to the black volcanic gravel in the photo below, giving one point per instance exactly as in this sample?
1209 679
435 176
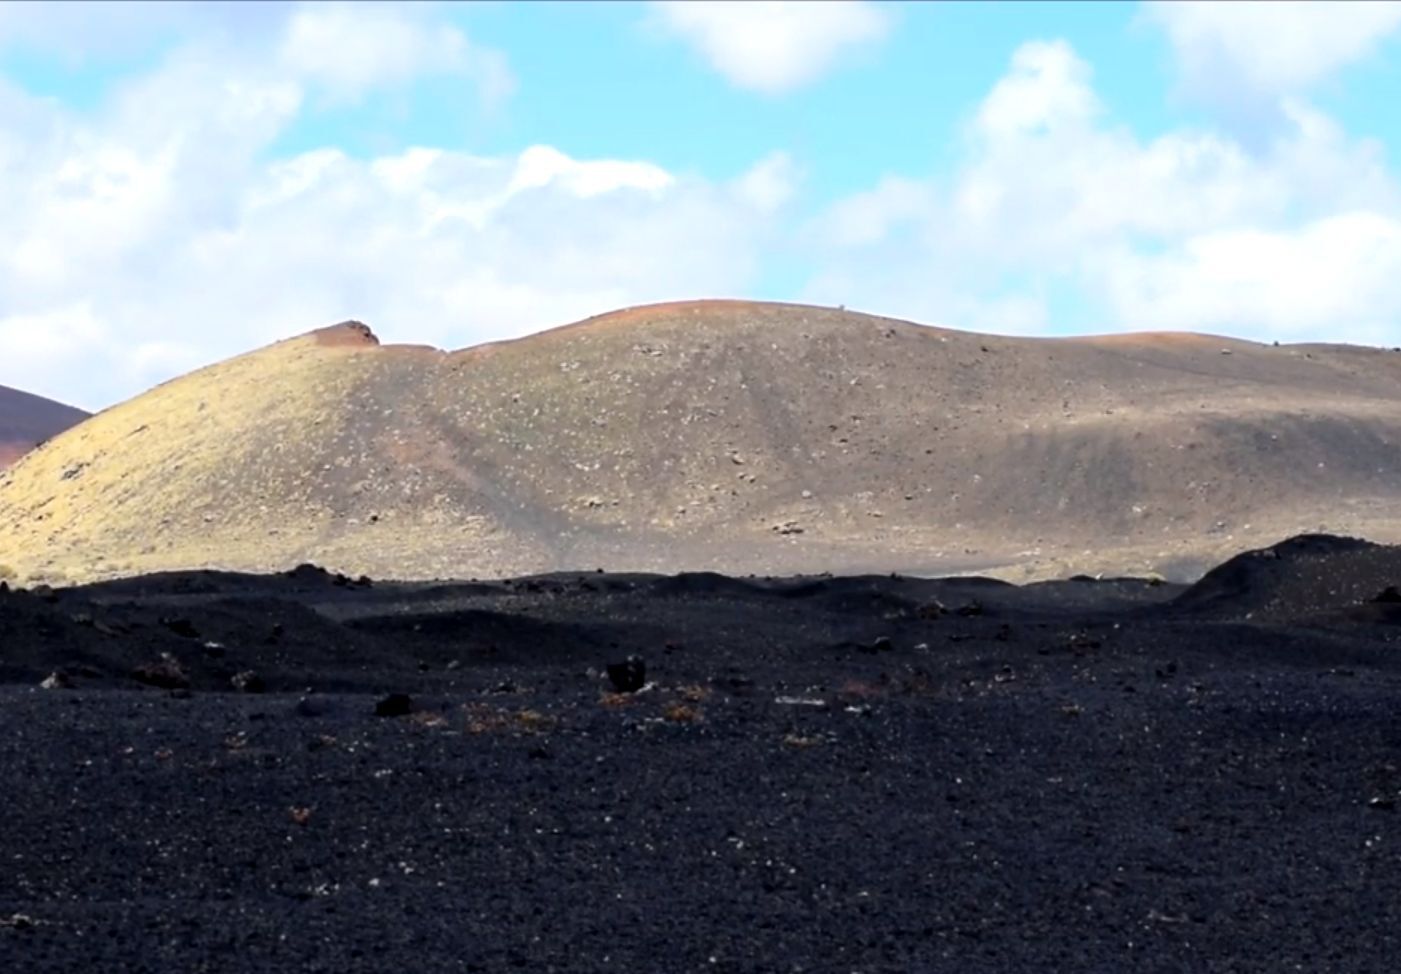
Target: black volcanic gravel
822 775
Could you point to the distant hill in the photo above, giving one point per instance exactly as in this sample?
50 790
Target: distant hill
723 435
26 420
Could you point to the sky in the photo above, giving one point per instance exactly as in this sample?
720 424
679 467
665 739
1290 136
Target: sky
181 182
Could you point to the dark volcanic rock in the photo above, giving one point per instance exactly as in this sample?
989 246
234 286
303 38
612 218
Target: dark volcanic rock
181 627
881 644
933 609
628 676
1089 777
248 682
166 673
394 705
1304 576
312 706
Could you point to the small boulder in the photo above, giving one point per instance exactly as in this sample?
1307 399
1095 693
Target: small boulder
308 574
57 680
167 674
628 676
180 626
394 705
881 644
248 682
311 706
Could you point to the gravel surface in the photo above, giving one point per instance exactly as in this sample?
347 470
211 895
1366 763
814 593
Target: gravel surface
824 775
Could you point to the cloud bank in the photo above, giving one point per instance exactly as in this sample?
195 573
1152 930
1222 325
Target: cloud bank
1188 231
164 229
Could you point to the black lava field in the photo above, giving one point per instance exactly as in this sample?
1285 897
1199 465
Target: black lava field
605 772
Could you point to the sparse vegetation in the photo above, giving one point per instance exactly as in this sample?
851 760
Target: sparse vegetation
679 712
486 718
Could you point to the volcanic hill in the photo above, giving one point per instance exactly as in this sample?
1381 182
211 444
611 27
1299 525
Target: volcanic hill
722 435
26 420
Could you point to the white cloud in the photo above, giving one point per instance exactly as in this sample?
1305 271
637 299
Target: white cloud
1054 204
1264 47
774 46
155 236
1339 275
349 48
894 204
770 182
541 166
81 31
341 49
1048 87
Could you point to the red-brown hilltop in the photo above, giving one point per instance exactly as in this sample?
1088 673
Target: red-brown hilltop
27 420
727 435
347 333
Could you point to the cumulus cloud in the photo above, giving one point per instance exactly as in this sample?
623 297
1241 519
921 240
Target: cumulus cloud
1189 230
157 234
894 205
1340 274
770 182
351 48
1047 88
774 46
81 31
1270 47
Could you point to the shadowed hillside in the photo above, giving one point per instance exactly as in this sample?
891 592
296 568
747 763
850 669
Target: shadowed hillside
724 436
27 419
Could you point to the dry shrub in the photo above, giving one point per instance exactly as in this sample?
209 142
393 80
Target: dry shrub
533 721
616 700
694 693
679 712
484 718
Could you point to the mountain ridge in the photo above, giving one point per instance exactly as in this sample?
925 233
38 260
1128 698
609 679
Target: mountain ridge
27 420
722 435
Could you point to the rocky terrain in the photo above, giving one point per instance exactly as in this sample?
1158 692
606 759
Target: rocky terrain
724 436
627 772
27 420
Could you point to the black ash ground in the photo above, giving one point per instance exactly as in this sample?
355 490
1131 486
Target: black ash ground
305 772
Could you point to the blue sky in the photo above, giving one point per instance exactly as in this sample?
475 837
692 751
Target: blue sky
186 181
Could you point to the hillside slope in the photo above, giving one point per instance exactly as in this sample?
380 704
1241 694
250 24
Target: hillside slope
722 435
26 420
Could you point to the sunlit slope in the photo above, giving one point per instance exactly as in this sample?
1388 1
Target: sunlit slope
722 435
